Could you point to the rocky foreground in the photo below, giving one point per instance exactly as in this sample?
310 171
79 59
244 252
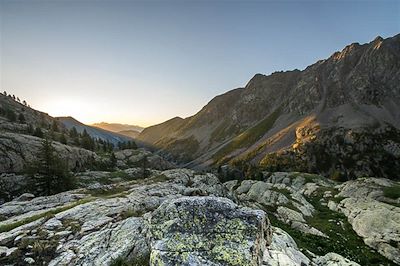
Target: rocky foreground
180 217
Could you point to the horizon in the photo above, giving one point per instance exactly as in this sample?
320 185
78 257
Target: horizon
133 63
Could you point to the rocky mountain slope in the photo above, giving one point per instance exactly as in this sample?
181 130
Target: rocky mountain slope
20 140
94 132
338 117
180 217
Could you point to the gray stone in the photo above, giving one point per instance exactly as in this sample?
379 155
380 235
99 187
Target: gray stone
207 231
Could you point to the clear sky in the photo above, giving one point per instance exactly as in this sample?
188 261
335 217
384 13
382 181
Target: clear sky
142 62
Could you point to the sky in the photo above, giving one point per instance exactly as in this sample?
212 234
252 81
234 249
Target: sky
143 62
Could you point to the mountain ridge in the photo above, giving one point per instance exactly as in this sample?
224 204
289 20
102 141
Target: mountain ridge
355 88
69 122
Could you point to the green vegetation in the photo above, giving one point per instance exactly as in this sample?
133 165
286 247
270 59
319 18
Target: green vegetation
392 192
47 215
342 239
50 173
115 191
249 136
137 261
127 145
38 133
119 174
224 130
182 149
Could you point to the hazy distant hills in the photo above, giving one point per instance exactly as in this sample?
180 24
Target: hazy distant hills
94 132
339 116
116 127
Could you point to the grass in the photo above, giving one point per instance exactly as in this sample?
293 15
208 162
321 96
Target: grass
222 131
108 193
73 224
47 215
249 136
342 239
392 192
119 174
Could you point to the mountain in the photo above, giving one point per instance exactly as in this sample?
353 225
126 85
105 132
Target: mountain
339 117
129 133
94 132
115 127
22 130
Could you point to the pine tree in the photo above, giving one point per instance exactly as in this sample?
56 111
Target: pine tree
10 114
51 173
54 126
21 118
63 139
73 133
87 142
30 129
145 162
113 160
38 132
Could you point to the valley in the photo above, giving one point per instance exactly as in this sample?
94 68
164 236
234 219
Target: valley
296 168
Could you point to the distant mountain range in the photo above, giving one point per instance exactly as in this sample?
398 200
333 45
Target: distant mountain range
339 117
116 127
95 132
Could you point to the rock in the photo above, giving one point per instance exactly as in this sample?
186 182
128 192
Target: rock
22 149
29 260
123 239
333 259
38 205
207 231
25 197
63 233
260 192
93 224
296 221
283 251
3 250
11 251
287 215
332 205
376 222
130 157
364 187
52 224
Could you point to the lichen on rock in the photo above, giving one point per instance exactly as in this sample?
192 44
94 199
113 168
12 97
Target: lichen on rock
207 231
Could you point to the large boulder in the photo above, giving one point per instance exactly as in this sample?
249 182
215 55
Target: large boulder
207 231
